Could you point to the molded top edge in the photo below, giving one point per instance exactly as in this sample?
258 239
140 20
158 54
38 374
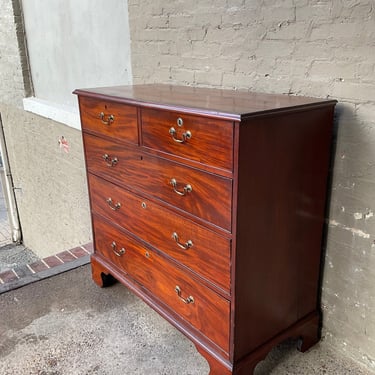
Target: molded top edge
220 103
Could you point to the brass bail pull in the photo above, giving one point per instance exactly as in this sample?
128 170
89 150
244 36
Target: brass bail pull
184 137
187 245
111 162
114 249
187 188
187 300
106 120
113 206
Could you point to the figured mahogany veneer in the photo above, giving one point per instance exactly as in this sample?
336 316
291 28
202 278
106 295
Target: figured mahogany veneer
143 218
209 205
153 176
161 277
156 125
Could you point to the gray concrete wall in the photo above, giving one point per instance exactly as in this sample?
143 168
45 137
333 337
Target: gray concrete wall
316 48
72 44
76 44
50 183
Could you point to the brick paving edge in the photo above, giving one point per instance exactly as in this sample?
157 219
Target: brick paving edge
27 275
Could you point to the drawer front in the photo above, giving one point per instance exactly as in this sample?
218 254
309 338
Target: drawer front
207 141
114 161
210 196
197 248
111 119
207 312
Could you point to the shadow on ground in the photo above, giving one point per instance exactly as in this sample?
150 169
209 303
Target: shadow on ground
66 325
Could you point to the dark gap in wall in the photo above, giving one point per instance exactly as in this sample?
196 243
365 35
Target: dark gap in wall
22 46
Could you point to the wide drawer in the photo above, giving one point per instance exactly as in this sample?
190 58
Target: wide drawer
205 140
109 118
197 248
202 194
197 304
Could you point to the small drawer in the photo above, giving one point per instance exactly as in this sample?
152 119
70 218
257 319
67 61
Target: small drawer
202 194
109 118
195 247
198 305
110 159
204 140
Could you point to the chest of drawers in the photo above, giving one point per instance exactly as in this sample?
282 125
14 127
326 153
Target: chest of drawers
209 205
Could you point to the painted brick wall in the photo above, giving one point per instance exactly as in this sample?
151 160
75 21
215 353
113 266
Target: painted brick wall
304 47
50 184
14 81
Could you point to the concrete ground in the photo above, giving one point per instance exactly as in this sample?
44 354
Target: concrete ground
66 325
13 255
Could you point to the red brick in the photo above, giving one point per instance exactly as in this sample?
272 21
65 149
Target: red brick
65 256
79 252
89 247
38 266
52 261
8 276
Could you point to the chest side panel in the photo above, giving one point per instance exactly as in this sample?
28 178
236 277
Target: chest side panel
282 181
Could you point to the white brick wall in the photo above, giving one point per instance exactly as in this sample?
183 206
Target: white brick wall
305 47
51 189
11 73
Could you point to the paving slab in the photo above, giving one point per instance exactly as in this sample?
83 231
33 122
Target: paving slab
66 325
13 255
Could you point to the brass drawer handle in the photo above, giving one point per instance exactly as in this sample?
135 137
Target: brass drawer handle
187 188
187 245
185 136
111 162
187 300
114 248
106 121
113 206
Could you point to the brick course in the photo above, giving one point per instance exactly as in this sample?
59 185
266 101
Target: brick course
46 267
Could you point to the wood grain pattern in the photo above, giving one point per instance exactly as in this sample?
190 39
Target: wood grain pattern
161 277
258 167
287 203
155 225
214 103
203 146
152 175
124 126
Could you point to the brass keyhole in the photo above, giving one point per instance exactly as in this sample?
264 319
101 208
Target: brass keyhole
180 121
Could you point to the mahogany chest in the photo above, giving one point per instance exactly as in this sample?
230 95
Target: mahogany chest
209 204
